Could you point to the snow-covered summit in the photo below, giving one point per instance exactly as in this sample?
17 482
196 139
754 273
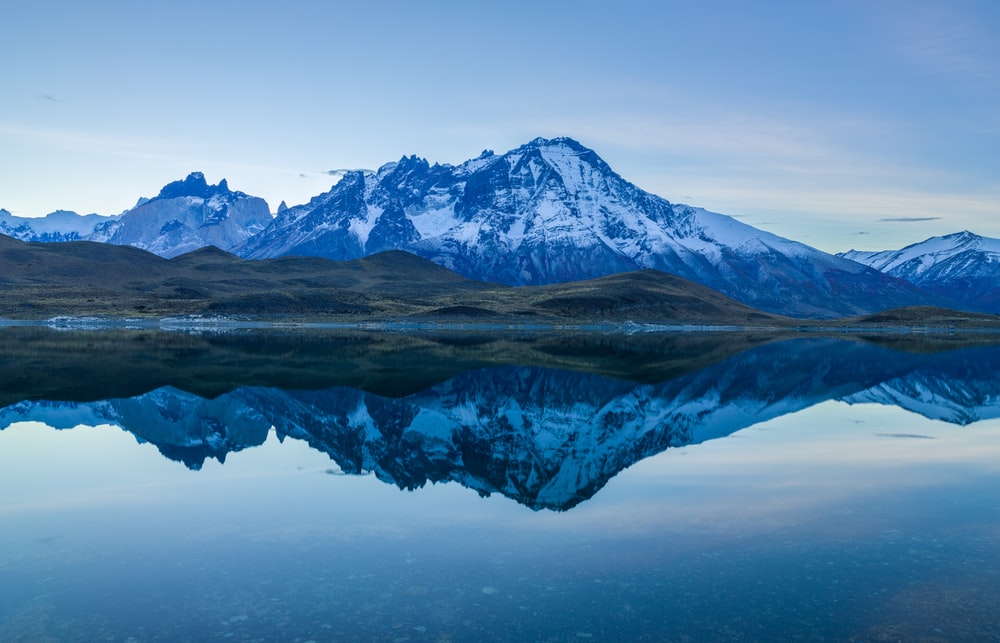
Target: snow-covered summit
918 258
962 265
551 211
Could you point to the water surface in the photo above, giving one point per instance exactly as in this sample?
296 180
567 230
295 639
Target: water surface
366 487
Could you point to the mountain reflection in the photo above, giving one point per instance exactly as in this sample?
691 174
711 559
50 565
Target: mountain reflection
546 421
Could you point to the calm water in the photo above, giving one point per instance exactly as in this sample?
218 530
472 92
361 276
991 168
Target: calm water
460 488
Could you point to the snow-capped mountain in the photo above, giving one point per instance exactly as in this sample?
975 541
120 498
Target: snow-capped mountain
553 211
61 225
963 266
187 215
550 211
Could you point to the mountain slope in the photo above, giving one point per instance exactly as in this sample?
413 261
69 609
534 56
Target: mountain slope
74 263
552 211
964 266
86 278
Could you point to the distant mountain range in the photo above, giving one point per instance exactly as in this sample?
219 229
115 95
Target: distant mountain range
548 212
61 225
963 266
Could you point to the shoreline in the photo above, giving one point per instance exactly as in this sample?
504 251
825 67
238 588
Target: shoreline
202 323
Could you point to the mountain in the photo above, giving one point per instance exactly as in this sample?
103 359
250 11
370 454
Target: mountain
553 211
548 212
61 225
187 215
963 266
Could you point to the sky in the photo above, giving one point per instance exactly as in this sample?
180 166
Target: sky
866 124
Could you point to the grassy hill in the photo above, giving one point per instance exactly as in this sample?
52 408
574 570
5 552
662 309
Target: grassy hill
83 278
39 281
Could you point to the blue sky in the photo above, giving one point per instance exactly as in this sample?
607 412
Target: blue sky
864 124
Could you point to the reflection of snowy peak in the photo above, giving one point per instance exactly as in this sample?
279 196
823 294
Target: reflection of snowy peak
546 438
187 215
189 428
963 265
960 390
553 211
183 426
59 415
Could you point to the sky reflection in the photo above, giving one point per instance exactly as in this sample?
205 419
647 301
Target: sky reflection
815 523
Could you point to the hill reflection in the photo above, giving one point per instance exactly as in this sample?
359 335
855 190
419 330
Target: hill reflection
544 420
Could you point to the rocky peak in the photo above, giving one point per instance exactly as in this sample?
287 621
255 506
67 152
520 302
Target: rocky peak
193 185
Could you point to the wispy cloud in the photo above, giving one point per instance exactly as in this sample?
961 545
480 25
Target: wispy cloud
811 149
89 141
810 167
341 173
942 39
136 148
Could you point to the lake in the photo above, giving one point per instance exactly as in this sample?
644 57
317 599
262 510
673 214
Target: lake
498 486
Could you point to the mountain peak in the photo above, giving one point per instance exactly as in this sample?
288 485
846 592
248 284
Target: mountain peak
559 141
962 266
193 185
411 163
963 237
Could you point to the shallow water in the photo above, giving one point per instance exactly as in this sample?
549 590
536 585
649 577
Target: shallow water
783 492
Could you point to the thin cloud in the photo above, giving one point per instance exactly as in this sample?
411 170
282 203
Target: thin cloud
341 173
943 40
89 141
910 219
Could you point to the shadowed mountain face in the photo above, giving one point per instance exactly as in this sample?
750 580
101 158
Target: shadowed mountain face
546 421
